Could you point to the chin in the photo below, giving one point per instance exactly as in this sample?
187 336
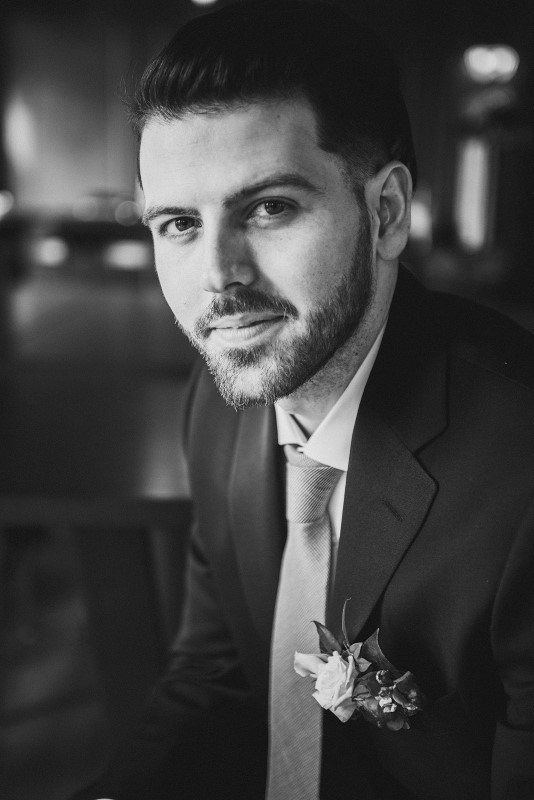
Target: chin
259 384
244 390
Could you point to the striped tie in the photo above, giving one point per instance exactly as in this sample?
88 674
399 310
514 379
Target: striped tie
295 717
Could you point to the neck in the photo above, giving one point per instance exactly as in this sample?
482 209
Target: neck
312 401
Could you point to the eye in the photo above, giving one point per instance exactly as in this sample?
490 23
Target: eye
268 209
178 227
274 207
182 224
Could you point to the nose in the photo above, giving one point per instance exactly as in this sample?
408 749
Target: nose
227 261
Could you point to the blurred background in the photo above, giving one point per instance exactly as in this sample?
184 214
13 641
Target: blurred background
93 488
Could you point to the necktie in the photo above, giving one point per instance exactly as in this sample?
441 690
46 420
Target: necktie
295 717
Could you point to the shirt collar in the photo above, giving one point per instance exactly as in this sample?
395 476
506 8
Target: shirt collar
330 442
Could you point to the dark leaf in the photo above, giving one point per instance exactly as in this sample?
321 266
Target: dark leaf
372 652
328 642
397 724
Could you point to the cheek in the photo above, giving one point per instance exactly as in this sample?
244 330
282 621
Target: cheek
298 263
326 244
177 288
316 269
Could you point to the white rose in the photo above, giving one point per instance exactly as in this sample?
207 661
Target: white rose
334 685
308 664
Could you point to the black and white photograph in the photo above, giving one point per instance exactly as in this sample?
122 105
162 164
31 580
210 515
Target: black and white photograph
266 400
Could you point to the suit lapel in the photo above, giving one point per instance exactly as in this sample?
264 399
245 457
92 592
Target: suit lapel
387 497
257 509
388 492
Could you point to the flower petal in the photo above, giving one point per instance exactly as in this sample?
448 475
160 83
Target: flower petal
308 664
323 700
362 664
344 711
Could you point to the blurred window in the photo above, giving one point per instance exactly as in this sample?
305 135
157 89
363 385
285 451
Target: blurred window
472 197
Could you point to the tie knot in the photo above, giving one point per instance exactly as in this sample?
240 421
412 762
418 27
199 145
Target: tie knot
309 486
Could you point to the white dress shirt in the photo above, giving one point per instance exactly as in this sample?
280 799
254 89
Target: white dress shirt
330 442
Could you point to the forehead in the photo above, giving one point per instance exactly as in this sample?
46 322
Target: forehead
217 153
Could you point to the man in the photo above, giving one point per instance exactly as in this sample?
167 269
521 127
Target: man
277 165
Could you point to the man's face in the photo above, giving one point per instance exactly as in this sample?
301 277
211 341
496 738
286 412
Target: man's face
261 249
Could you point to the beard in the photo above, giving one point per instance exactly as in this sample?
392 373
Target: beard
264 373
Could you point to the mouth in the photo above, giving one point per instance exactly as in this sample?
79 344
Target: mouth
245 321
246 327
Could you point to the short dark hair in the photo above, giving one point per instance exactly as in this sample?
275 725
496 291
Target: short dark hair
283 49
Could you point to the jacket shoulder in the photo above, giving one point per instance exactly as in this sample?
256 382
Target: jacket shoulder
207 417
487 339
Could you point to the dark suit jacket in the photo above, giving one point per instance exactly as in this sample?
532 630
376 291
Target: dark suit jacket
436 549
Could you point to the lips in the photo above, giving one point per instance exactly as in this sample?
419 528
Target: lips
245 321
246 329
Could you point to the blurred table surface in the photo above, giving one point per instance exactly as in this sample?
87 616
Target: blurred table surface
73 437
92 387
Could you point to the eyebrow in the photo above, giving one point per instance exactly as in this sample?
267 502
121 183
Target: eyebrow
282 179
153 212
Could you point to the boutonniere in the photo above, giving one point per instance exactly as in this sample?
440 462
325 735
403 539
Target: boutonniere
357 679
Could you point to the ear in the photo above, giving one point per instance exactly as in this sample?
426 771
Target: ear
389 197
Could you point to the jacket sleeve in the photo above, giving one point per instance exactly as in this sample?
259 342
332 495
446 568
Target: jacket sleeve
513 644
203 735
